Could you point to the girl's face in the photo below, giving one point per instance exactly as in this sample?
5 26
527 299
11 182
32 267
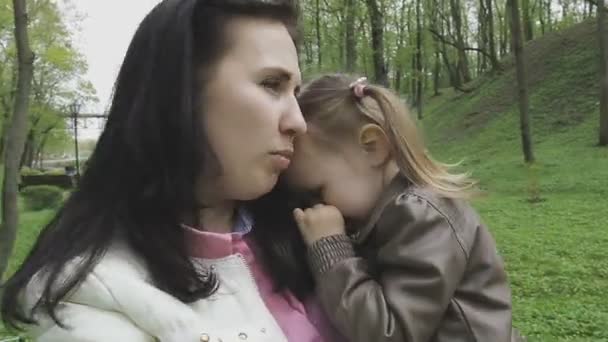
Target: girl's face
251 114
344 175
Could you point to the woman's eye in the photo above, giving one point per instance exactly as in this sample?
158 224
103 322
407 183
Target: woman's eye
272 84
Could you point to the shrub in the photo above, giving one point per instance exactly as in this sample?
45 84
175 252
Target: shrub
38 197
26 171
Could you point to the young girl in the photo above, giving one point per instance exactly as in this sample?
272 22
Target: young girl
397 253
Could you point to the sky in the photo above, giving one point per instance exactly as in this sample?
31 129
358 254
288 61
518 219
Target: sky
104 36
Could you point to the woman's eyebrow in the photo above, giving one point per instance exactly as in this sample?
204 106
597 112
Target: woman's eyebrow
282 73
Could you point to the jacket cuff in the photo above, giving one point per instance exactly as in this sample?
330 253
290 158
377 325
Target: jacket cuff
328 251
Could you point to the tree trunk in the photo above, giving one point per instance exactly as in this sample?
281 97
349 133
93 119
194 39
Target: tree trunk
3 136
16 135
436 72
504 29
434 18
425 84
399 63
453 73
365 56
39 151
377 29
564 9
507 24
308 53
413 90
549 19
318 31
419 74
351 41
603 41
491 42
541 16
482 60
517 42
38 155
527 21
397 80
410 80
463 63
6 103
27 157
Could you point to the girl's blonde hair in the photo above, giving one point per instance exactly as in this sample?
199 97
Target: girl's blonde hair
338 105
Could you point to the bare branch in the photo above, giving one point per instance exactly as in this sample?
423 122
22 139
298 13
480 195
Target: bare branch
467 48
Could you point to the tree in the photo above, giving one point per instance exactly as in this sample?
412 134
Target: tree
463 61
418 71
57 68
491 38
351 41
318 30
16 136
522 86
401 49
377 29
8 70
603 42
549 18
527 21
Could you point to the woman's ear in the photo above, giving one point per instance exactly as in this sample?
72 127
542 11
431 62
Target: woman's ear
374 142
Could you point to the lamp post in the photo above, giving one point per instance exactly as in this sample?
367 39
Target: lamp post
74 109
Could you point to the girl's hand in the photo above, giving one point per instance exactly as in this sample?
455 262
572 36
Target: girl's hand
318 222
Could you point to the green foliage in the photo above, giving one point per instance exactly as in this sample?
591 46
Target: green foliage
39 197
400 34
58 70
26 171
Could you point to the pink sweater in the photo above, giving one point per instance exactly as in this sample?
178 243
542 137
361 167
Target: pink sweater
300 322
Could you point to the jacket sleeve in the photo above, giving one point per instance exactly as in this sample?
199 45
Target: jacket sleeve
90 324
420 262
88 314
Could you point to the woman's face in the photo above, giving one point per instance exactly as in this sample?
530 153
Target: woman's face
251 115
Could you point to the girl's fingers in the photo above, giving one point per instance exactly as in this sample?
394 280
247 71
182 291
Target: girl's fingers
298 215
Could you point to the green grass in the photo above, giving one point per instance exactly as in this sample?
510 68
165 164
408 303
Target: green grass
556 249
30 224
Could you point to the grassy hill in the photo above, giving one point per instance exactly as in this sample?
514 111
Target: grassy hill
550 220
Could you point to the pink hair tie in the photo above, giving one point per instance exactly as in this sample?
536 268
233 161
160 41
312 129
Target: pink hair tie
358 87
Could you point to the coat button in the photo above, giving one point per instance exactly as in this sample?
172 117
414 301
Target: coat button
243 336
263 330
205 338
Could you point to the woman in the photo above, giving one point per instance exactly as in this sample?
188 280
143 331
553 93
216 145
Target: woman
153 244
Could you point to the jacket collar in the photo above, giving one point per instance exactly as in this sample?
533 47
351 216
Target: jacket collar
395 187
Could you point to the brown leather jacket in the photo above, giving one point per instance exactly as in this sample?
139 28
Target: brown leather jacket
423 268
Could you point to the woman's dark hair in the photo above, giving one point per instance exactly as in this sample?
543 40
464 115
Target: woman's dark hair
140 179
281 246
